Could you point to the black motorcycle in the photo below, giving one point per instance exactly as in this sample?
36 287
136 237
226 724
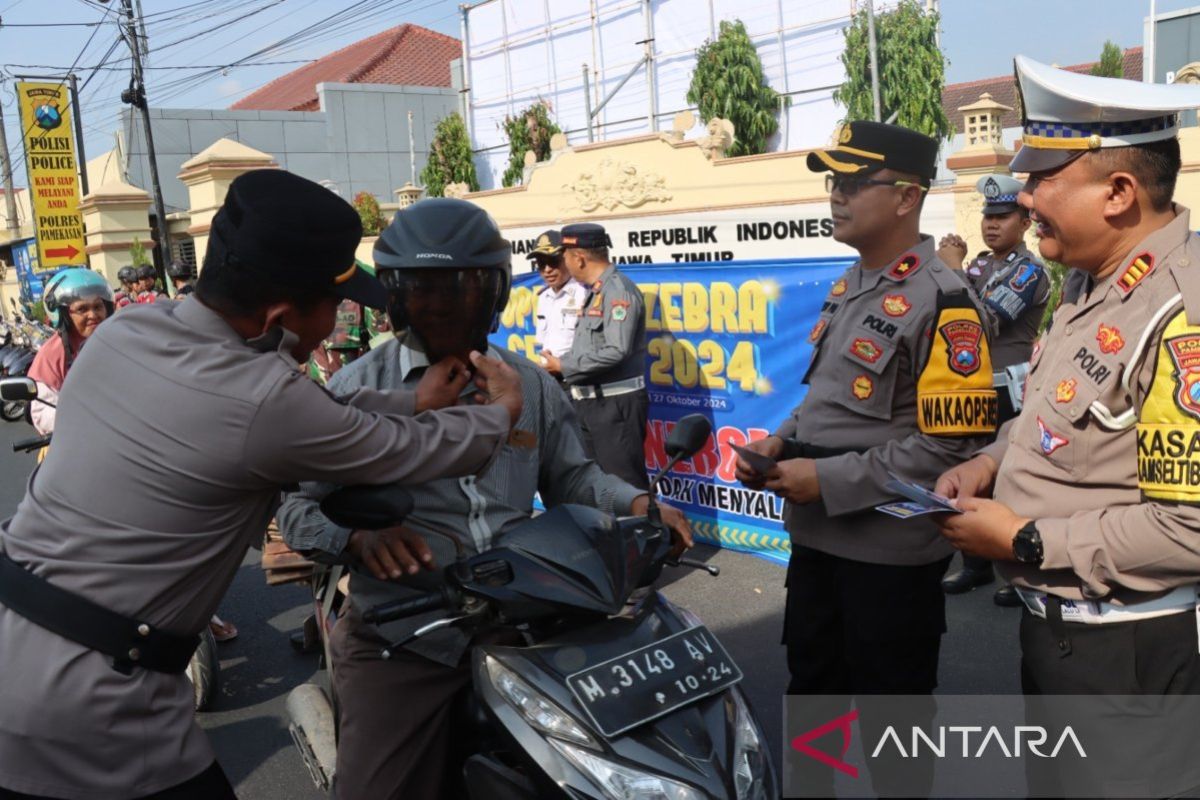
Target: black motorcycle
612 692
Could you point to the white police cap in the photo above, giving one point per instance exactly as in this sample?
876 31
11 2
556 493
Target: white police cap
1067 113
999 193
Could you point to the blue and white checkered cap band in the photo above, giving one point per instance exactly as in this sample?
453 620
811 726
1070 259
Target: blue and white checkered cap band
1001 198
1082 130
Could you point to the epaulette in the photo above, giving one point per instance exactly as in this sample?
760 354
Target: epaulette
1134 273
1187 278
906 267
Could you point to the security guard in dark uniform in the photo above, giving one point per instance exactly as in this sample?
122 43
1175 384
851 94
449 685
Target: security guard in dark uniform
606 367
900 382
1014 288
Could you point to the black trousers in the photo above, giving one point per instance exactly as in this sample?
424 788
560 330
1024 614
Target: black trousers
614 433
1158 656
858 629
211 784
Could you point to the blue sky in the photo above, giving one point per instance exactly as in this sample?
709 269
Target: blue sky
979 38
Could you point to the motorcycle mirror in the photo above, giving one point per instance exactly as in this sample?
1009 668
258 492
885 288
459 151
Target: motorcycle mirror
18 389
688 436
368 507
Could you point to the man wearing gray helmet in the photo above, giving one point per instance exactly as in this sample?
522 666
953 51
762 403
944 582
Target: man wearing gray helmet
448 271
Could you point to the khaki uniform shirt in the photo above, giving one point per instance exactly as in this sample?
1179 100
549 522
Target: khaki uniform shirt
880 381
154 526
1105 453
610 339
1014 292
543 454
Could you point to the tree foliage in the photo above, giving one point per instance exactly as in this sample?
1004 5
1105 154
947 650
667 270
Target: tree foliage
912 70
728 82
1111 63
1057 273
369 212
528 131
138 255
450 158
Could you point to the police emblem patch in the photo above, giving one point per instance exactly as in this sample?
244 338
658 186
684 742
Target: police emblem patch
863 387
619 310
1185 353
844 134
839 287
1065 392
1050 441
816 331
1110 339
991 189
865 349
1026 273
896 305
963 338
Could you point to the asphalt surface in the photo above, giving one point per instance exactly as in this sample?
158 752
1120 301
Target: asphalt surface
743 607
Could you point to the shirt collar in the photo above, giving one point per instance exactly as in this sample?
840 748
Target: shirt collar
413 358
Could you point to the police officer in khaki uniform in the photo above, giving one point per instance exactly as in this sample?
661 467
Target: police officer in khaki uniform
900 382
102 593
1014 289
606 367
1095 486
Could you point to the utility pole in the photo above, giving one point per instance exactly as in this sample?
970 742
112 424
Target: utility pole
874 59
135 96
10 199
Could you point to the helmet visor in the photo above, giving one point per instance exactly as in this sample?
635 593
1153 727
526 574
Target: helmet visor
450 310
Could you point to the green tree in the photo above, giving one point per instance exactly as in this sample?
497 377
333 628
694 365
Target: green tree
1111 63
137 253
528 131
912 70
450 158
1057 273
369 212
728 82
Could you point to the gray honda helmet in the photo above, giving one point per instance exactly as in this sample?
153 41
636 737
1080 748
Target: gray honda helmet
447 241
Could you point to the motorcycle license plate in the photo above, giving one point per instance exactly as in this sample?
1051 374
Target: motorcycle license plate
632 689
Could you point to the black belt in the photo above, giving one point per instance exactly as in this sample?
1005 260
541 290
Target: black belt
128 642
794 449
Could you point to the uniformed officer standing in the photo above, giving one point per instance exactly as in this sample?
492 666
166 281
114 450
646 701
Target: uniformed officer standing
606 366
1014 288
559 300
900 382
1095 514
102 593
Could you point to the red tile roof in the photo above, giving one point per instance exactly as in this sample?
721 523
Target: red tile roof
407 55
1003 90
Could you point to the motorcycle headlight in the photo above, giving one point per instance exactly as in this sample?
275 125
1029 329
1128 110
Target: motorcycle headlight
538 710
749 761
622 783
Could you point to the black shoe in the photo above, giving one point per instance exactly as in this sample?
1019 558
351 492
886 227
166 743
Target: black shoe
967 579
1007 597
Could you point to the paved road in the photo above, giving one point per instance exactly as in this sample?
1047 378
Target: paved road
743 607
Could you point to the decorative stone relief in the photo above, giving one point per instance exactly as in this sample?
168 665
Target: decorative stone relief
456 190
718 140
616 183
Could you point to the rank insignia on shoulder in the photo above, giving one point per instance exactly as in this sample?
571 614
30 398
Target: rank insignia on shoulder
1110 339
962 339
839 287
896 305
817 330
904 267
1065 392
1138 269
1050 441
863 387
866 350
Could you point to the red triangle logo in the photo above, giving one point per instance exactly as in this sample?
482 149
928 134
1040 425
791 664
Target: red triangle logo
801 743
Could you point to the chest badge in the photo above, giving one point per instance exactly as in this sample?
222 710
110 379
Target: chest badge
963 337
896 305
817 330
863 387
1065 392
866 350
1110 339
1050 441
1185 353
839 287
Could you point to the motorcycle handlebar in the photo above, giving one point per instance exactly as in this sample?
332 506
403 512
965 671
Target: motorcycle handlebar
28 445
408 607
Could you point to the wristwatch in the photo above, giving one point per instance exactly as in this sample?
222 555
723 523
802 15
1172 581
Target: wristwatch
1027 545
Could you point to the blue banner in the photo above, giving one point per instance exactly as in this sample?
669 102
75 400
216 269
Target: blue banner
730 341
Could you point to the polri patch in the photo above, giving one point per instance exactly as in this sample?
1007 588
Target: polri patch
866 349
1185 355
1065 392
839 287
1110 339
963 337
1050 441
817 330
863 387
896 305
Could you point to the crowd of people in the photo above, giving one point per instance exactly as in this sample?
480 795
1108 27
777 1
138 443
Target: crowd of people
1055 449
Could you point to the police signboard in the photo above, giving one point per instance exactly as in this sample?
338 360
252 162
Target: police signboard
53 173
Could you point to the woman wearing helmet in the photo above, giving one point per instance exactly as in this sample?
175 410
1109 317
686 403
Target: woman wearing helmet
128 292
77 300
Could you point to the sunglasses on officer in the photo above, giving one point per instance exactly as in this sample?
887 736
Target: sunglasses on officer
548 262
849 185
